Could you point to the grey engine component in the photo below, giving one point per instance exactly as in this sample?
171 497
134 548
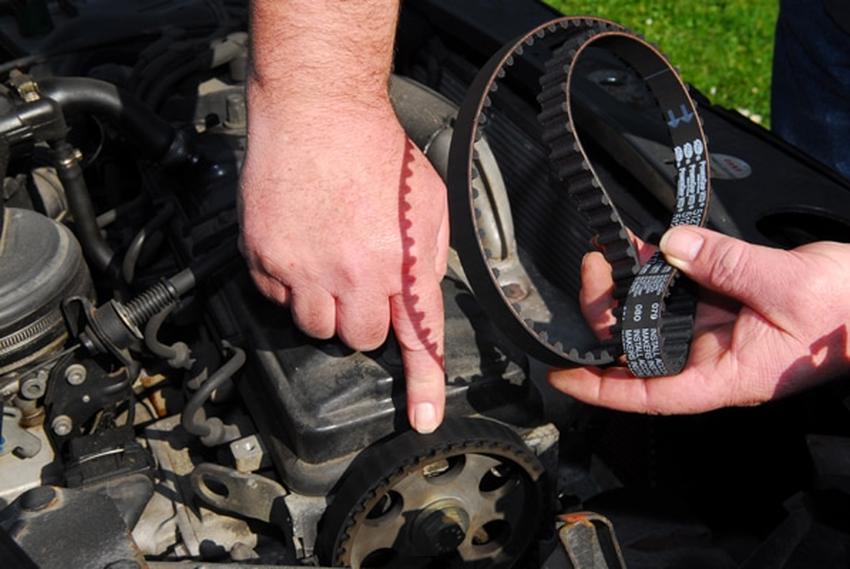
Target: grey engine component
41 264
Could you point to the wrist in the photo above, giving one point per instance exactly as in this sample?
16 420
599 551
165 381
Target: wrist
309 108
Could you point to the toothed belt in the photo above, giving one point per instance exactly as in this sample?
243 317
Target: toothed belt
655 304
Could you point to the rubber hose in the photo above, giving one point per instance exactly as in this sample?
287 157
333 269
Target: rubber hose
194 419
178 354
80 95
131 257
70 173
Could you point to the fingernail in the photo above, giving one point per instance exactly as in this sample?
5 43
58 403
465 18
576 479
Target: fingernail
681 245
424 418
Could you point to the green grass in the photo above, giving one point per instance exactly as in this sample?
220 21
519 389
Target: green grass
723 47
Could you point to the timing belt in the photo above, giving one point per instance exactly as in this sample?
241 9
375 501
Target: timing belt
656 305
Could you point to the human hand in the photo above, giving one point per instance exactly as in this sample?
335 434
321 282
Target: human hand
346 221
769 323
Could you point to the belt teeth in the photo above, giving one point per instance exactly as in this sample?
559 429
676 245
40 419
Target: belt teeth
554 90
622 269
584 183
610 235
570 164
677 324
556 73
566 152
552 112
619 250
592 205
679 336
555 134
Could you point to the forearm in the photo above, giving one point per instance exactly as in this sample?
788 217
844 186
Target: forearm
312 56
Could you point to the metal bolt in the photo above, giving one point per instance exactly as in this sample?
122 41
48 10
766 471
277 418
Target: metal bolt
237 114
76 374
514 291
35 386
442 526
62 425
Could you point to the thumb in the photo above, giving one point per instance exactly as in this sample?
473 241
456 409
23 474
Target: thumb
418 321
759 277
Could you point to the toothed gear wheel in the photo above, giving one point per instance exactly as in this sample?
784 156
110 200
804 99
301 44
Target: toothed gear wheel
655 305
470 495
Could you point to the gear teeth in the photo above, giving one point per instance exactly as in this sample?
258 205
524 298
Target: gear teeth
401 457
517 307
496 272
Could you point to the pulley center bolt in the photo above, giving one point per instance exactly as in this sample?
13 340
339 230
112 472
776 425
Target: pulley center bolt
440 528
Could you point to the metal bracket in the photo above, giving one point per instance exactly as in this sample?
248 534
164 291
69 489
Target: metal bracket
590 542
249 495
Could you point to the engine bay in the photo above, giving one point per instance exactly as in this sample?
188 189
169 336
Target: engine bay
158 411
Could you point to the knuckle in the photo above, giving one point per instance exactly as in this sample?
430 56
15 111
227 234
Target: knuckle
348 276
311 323
365 340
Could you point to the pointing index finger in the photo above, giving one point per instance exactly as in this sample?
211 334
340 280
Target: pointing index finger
418 321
